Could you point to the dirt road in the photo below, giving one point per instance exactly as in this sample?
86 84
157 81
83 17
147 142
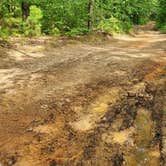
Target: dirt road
84 104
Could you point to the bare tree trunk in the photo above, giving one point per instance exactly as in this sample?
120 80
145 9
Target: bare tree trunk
25 6
91 9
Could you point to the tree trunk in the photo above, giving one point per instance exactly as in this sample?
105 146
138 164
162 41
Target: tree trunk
25 6
91 9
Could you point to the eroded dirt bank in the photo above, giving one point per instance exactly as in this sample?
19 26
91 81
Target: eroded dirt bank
84 104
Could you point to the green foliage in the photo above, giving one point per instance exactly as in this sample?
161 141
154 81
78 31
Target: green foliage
161 24
162 11
11 27
14 26
54 32
36 13
77 31
4 32
61 17
32 26
113 25
64 15
163 28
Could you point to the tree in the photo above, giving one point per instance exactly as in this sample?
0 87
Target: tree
162 12
77 17
91 9
25 6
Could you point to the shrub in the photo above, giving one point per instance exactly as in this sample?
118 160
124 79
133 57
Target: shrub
77 31
113 25
54 32
10 27
32 26
163 28
4 32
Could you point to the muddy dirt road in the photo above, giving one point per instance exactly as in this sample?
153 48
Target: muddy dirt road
84 104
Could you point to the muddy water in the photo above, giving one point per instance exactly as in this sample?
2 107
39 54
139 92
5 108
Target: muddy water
143 153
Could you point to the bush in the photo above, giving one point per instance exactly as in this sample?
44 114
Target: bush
4 32
163 28
54 32
10 27
113 25
77 31
32 26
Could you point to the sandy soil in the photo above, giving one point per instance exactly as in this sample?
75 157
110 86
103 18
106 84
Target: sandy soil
83 104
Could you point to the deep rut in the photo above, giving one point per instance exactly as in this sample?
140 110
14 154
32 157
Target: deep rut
131 132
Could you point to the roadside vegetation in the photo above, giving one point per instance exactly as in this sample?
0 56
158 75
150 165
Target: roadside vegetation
161 20
77 17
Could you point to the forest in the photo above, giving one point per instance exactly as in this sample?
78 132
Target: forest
77 17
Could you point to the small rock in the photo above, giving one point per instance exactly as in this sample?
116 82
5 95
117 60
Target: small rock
53 163
131 94
148 97
68 100
135 81
118 159
150 88
11 161
104 119
141 95
29 129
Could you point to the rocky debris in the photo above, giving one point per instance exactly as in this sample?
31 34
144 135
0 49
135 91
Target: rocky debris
5 44
48 149
118 159
45 107
150 88
144 95
53 163
30 129
131 94
9 160
135 81
50 118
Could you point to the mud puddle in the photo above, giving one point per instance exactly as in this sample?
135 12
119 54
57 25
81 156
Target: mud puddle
128 133
144 152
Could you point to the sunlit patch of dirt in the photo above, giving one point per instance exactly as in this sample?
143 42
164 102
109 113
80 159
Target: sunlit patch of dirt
7 76
21 53
154 74
91 115
120 137
50 129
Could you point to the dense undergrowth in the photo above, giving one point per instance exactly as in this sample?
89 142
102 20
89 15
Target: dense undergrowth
77 17
161 20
